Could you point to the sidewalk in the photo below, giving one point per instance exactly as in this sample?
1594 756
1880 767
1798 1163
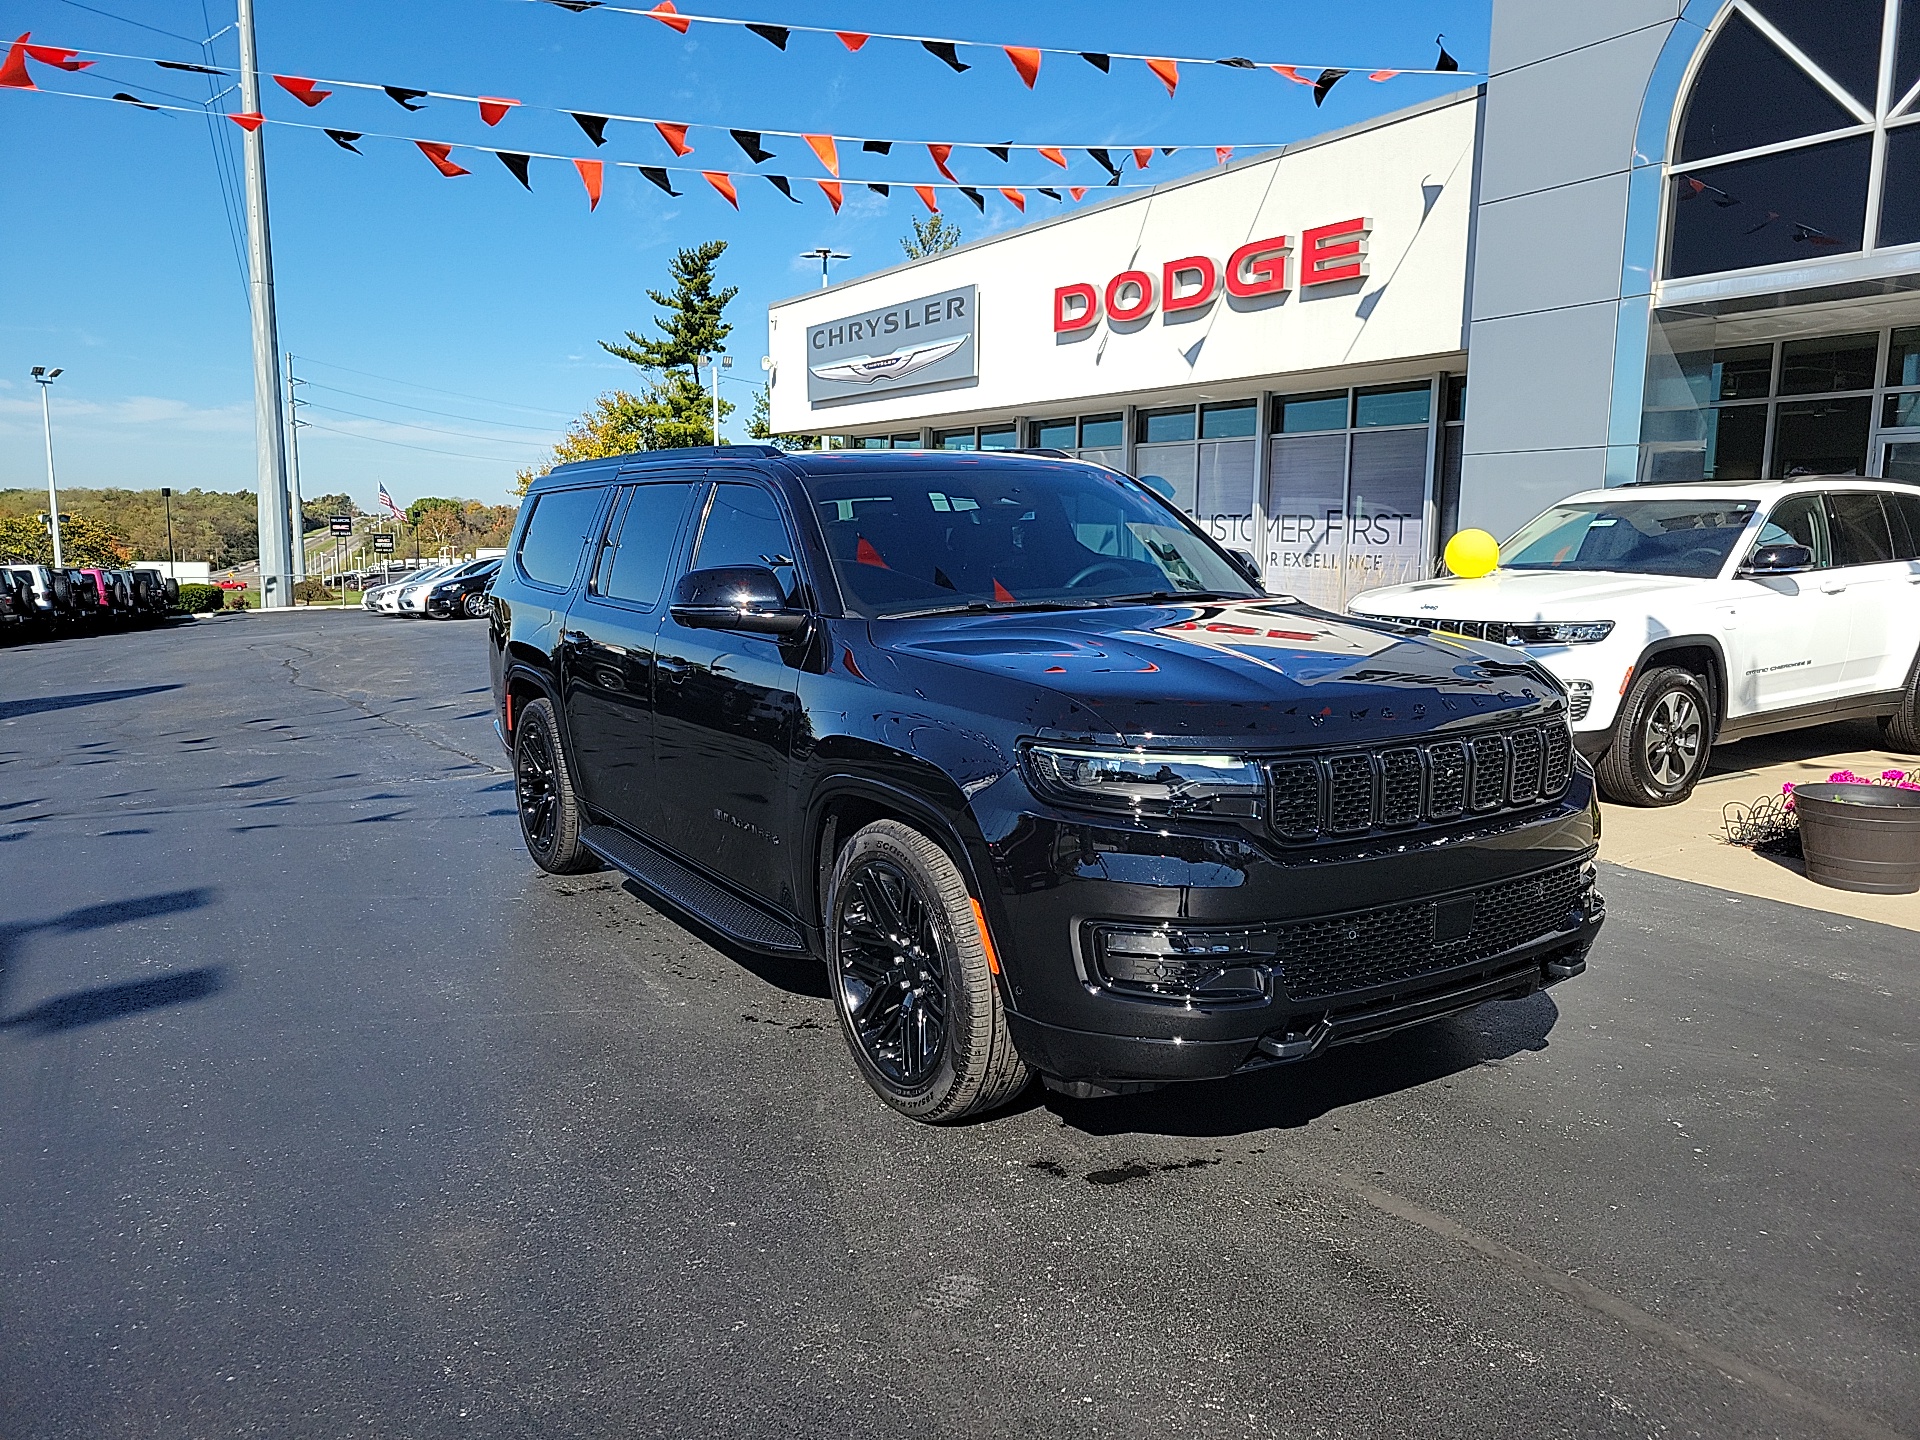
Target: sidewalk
1683 842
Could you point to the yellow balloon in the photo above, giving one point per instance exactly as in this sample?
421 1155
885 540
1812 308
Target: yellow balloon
1472 553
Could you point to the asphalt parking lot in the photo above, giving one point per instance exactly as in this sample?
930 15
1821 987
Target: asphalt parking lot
326 1113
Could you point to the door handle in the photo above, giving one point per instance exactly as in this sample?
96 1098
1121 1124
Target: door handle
671 668
1832 587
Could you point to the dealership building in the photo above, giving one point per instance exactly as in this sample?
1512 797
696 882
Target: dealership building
1663 241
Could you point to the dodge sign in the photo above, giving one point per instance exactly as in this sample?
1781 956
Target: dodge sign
910 346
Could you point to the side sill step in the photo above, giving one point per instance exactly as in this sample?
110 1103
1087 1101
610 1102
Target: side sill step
739 920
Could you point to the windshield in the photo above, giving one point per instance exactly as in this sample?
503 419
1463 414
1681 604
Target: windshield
1687 538
999 536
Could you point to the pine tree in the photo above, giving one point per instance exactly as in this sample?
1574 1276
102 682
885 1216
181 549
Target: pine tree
696 325
930 236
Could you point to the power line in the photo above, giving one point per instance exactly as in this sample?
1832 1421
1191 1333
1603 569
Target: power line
412 425
124 20
426 449
416 385
425 410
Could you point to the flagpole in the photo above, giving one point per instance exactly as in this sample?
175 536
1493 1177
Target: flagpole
269 437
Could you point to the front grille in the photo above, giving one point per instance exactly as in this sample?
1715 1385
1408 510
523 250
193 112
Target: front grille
1342 954
1350 792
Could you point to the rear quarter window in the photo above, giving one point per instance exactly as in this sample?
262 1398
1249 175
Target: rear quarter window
557 534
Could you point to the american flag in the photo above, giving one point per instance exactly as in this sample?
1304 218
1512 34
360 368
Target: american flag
386 503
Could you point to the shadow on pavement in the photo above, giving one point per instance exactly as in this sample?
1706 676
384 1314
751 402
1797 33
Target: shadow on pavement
1286 1097
112 1002
14 709
97 917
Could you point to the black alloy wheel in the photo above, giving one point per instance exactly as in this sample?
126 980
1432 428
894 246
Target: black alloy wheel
476 605
917 995
1662 740
543 793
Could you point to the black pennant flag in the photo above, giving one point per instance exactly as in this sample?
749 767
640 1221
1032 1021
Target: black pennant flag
1050 194
979 200
999 152
1238 62
133 100
659 177
190 69
774 35
1102 63
576 6
1106 162
594 125
344 139
518 165
1328 79
405 98
1446 61
944 50
749 141
1115 180
877 147
1167 149
780 183
881 190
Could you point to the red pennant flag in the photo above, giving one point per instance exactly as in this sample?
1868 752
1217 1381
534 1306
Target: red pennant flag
591 173
852 39
831 189
1383 74
493 109
865 554
248 121
1014 198
13 74
828 152
1168 71
1026 60
940 154
1141 155
1000 592
925 192
1292 72
1053 154
435 151
675 136
723 182
53 55
1222 154
307 92
667 15
1076 191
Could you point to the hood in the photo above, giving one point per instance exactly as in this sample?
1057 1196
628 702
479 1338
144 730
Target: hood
1243 673
1520 595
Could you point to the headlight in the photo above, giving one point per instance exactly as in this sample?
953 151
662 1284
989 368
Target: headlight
1578 632
1148 782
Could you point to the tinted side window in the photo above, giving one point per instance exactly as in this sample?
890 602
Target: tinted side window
744 527
1904 510
1798 520
1860 533
633 567
556 533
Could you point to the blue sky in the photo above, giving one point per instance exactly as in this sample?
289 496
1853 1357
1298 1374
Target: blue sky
453 321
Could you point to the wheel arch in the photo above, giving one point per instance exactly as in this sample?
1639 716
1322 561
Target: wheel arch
1703 655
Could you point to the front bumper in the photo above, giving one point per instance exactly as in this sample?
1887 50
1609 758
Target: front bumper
1360 950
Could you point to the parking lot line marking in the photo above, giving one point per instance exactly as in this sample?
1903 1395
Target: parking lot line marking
1651 1327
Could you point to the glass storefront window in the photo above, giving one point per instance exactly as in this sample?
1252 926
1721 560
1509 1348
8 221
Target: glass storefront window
1173 423
906 442
1056 434
1900 188
999 437
1736 442
1169 469
1228 421
1456 398
1391 405
1792 205
1749 94
867 442
1102 430
1903 350
1822 437
954 439
1902 411
1841 362
1293 414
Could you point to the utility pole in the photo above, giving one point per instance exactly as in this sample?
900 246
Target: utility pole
296 518
719 363
173 556
823 255
269 443
45 378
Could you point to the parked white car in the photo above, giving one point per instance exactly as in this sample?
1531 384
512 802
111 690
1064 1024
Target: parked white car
387 599
1681 616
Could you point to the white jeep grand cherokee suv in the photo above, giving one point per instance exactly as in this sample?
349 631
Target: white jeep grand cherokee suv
1678 616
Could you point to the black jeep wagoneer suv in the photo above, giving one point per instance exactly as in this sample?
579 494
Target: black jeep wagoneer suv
1034 767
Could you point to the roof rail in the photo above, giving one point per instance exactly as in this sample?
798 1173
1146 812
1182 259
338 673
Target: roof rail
688 452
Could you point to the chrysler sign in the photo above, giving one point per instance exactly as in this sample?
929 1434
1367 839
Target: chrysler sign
909 346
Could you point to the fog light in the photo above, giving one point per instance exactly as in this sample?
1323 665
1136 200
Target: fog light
1183 963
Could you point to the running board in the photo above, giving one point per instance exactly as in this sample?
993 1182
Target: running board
739 920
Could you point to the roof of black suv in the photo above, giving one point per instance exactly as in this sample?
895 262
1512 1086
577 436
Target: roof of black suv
807 462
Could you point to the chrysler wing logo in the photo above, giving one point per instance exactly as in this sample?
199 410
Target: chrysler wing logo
901 363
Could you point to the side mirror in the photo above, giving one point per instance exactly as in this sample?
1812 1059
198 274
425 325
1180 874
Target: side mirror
1778 560
735 597
1249 566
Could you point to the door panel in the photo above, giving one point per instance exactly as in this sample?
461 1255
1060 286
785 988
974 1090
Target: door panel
608 652
1876 593
1788 643
728 712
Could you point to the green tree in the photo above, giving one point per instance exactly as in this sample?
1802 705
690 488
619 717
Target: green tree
315 513
760 426
672 411
85 544
696 323
438 522
931 236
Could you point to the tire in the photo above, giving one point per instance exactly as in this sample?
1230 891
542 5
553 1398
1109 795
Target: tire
477 606
939 1051
1661 742
1901 730
61 589
543 794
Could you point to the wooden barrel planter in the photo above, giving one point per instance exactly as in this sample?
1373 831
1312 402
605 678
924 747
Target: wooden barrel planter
1860 837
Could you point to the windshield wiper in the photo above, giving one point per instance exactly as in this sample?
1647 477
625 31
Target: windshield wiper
1150 597
992 607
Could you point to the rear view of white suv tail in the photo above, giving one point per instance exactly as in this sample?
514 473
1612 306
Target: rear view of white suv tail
1678 617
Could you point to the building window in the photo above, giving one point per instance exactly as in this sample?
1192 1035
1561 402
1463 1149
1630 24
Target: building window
1056 434
1102 430
1295 414
955 439
999 437
1152 426
1774 158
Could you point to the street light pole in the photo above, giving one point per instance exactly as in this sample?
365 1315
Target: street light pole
45 378
269 442
296 518
823 255
173 556
718 363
